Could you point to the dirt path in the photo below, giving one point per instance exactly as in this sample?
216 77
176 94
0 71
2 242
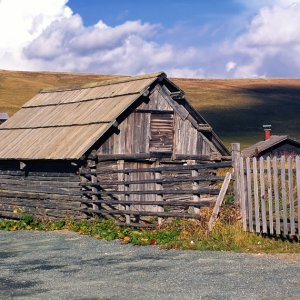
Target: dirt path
51 265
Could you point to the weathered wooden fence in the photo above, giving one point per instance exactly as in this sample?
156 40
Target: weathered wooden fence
269 193
135 194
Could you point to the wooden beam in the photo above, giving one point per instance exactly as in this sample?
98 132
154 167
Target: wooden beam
201 203
155 192
219 201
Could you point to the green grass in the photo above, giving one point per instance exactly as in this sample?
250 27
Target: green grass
227 235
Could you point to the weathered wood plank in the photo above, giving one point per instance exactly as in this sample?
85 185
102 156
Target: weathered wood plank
201 203
219 201
127 198
236 153
270 198
195 185
276 195
291 195
256 201
155 192
283 195
243 193
159 198
298 190
166 168
263 194
249 194
209 178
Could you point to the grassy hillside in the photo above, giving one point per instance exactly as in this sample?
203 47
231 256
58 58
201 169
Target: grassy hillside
236 108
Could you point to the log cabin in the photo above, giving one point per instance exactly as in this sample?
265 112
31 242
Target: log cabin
273 145
62 139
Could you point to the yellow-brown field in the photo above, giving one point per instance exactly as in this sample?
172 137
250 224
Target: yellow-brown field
236 108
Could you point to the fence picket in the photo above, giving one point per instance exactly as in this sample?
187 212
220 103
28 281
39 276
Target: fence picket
270 200
283 194
276 194
291 195
249 194
243 195
298 189
256 201
263 194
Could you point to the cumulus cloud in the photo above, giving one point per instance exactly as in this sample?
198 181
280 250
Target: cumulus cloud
271 46
47 35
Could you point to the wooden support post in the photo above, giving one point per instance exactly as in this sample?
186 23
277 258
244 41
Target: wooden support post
127 198
120 164
123 188
283 194
291 196
243 194
249 194
159 197
92 165
276 195
270 198
263 194
195 186
219 201
298 189
236 154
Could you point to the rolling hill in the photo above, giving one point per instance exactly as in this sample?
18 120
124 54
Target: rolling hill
236 108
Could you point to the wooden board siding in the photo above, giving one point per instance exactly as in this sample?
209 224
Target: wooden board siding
190 141
51 193
156 127
161 132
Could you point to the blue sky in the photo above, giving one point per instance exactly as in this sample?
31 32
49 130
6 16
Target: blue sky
224 39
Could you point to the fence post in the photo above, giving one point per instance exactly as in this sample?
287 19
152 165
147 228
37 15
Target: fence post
93 167
195 186
236 154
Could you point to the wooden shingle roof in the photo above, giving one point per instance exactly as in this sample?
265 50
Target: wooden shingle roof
262 146
65 123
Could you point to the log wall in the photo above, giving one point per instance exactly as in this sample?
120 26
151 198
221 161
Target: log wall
45 190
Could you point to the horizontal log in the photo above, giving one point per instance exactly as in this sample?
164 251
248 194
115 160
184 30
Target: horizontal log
41 189
40 183
74 205
133 156
161 180
160 203
41 174
143 213
157 192
155 111
19 194
163 168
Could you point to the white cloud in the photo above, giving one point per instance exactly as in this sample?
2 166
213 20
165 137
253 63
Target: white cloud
47 35
271 45
230 66
21 22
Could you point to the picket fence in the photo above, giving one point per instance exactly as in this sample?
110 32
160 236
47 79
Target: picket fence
269 194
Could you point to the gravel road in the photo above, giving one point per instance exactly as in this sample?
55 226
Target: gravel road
60 265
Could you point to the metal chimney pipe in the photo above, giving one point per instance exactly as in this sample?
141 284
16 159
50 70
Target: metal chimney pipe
267 131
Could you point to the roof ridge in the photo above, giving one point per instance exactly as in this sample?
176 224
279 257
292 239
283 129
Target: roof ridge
105 82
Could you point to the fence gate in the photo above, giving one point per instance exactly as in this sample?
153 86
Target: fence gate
269 194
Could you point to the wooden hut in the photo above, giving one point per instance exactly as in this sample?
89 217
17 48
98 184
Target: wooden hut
275 145
54 149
